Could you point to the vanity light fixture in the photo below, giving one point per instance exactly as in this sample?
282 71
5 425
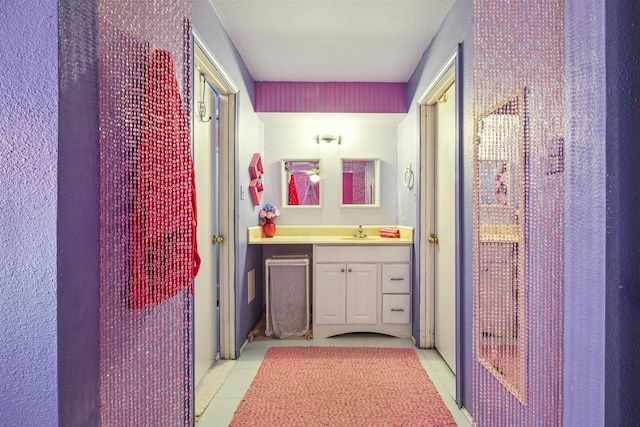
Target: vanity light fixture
328 139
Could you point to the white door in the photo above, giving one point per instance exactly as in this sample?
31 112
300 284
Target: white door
329 294
205 143
362 293
444 220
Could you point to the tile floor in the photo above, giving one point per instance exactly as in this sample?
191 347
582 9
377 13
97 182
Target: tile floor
220 410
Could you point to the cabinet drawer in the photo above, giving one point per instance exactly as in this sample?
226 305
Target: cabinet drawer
396 279
396 308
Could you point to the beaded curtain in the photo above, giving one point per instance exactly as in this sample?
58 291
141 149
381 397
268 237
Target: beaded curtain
518 48
146 205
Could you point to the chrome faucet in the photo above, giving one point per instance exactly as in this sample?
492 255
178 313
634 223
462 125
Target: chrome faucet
360 233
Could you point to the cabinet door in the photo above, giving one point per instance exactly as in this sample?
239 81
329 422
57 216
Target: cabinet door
330 291
362 293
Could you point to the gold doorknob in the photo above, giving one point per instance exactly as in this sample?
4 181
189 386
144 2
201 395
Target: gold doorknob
217 239
433 239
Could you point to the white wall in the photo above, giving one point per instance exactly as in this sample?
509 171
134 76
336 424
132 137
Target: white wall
291 136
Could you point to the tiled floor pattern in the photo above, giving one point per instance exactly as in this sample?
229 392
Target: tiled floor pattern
221 408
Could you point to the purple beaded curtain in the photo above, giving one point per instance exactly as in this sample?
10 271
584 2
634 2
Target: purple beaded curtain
518 109
146 221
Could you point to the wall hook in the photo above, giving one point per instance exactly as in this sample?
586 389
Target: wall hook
202 107
408 178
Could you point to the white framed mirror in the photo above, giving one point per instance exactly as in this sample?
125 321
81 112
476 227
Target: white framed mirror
360 182
301 182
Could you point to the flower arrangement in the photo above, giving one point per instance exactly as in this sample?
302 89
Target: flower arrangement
268 212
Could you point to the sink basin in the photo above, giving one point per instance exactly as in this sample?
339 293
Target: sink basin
361 238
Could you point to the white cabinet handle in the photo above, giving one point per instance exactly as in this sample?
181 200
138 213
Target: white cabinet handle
397 278
397 309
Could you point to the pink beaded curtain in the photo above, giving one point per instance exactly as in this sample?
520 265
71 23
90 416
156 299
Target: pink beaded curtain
518 110
147 213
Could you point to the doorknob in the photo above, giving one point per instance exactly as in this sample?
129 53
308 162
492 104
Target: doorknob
217 239
433 239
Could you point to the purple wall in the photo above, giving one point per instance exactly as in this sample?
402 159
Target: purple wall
330 97
78 217
28 149
622 343
602 296
584 223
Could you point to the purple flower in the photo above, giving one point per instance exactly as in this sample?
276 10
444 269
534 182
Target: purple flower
268 211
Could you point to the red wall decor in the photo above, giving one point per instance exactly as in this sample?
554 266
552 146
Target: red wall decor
256 172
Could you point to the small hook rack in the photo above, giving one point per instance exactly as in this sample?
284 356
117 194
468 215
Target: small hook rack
202 107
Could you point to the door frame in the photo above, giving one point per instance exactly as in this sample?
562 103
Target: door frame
227 143
450 73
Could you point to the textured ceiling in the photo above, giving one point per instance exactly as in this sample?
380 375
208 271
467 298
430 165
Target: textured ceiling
332 40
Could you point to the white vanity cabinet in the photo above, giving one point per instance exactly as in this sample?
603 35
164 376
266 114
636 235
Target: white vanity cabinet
362 288
346 293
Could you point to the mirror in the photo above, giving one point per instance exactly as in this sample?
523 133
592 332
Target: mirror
500 156
360 182
301 182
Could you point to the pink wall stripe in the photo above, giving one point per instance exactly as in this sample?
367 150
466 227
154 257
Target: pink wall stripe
330 97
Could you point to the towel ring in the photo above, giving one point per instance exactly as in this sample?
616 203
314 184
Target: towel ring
408 178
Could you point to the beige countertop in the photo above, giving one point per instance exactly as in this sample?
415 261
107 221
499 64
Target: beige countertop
330 235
